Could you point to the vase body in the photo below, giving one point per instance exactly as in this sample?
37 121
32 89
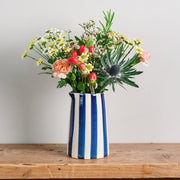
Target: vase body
88 137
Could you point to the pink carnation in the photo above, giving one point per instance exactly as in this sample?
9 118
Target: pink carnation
144 57
61 68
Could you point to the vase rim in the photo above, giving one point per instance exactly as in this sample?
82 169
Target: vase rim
86 93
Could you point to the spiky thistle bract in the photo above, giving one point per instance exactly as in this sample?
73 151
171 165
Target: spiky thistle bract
116 69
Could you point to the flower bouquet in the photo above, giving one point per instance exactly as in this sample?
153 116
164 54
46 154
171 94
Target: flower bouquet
99 58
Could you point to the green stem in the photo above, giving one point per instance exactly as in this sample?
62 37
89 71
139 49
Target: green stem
32 58
82 80
40 53
128 53
40 46
125 48
102 88
37 60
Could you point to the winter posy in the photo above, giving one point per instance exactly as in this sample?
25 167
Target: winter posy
90 63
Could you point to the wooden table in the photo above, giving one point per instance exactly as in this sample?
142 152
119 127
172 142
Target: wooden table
46 161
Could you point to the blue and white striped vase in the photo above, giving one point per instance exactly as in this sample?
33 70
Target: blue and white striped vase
88 137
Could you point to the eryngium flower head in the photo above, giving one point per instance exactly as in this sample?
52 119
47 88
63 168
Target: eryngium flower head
114 70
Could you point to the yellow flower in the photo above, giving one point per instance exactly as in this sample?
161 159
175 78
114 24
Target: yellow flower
137 42
58 40
131 43
61 45
127 40
122 36
112 47
85 71
88 68
112 34
24 55
48 37
39 62
67 49
31 44
83 57
52 51
139 50
50 44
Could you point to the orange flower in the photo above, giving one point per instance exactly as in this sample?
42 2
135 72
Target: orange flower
61 67
144 57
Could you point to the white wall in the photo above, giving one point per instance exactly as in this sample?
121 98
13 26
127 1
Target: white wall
32 110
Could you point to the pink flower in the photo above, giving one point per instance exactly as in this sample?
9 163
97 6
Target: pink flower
61 67
144 57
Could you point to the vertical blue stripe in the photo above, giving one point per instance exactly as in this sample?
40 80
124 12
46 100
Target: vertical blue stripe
71 124
82 120
93 127
104 124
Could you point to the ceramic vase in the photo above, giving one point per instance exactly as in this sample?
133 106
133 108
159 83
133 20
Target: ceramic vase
88 135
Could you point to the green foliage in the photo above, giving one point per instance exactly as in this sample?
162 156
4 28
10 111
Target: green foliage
108 18
126 67
119 55
80 42
73 76
80 86
89 42
61 83
46 67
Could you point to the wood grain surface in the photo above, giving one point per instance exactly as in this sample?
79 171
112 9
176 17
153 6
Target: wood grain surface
50 161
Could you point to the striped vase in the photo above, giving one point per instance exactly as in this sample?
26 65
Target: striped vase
88 137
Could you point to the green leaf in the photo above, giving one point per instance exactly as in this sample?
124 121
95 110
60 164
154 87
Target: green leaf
129 62
134 73
45 73
79 40
80 85
113 87
103 62
46 67
119 54
108 59
103 83
112 17
73 77
51 61
129 82
47 31
61 83
136 61
89 42
119 82
102 25
105 17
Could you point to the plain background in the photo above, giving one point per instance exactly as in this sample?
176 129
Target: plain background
33 110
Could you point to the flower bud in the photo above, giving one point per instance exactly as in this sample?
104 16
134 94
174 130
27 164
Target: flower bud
91 48
83 49
82 66
74 54
73 60
93 77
